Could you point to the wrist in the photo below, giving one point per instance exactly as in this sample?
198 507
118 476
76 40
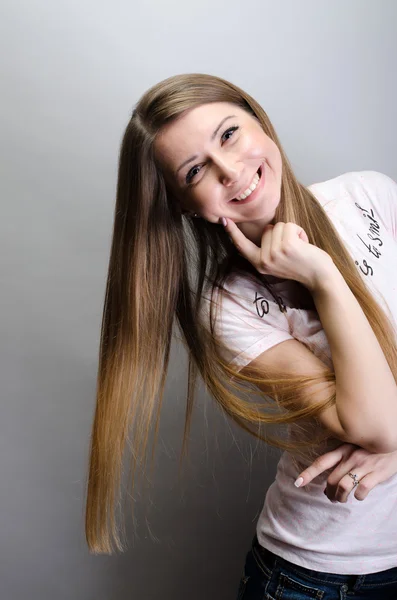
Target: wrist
327 280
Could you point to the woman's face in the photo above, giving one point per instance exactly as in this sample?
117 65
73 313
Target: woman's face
212 156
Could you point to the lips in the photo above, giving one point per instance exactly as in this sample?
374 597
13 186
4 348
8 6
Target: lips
253 194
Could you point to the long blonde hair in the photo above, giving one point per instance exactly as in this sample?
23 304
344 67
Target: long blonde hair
150 283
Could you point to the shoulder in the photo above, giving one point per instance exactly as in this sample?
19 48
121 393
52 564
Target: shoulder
355 184
370 191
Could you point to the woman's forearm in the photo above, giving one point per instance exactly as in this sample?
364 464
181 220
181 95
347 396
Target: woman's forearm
366 392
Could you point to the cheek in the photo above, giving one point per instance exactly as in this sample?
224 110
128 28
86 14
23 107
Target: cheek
273 148
278 159
273 157
204 194
205 198
197 197
256 146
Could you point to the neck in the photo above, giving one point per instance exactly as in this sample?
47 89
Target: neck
253 230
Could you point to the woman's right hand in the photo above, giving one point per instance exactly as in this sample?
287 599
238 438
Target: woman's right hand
285 252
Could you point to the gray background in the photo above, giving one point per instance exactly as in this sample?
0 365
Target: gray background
71 72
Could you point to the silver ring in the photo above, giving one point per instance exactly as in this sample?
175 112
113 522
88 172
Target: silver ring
355 479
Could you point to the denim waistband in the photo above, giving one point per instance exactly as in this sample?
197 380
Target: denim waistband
356 581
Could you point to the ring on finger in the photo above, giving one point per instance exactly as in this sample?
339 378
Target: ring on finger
355 479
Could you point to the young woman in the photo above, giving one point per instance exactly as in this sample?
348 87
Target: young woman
286 298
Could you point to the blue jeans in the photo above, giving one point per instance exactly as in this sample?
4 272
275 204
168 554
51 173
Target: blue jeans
269 577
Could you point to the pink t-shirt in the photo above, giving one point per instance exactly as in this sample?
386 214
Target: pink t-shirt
302 525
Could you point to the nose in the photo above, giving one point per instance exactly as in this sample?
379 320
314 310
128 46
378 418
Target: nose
229 171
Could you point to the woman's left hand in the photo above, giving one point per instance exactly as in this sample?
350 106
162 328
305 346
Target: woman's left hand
371 469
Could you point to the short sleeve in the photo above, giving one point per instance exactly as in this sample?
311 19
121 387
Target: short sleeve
382 191
248 322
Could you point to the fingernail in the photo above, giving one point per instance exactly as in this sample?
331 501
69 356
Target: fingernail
298 482
223 221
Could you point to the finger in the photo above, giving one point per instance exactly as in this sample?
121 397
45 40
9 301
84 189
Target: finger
321 464
271 242
351 462
291 231
247 248
368 480
367 483
266 242
344 488
303 236
346 484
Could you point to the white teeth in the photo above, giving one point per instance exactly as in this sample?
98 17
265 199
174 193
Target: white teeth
250 189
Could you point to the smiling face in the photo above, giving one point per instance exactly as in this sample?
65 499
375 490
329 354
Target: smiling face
219 162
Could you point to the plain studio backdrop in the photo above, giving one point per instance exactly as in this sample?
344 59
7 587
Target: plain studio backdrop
71 72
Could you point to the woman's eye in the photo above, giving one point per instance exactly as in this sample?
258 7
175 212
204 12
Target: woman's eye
228 133
197 168
193 171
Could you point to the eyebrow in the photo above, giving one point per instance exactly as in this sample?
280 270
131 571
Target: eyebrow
213 136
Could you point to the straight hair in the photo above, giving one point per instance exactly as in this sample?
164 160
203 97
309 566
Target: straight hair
151 285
